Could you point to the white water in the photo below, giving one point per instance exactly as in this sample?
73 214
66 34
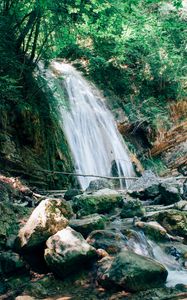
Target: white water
176 273
90 129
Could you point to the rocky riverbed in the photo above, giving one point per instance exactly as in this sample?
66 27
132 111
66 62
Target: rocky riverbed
100 244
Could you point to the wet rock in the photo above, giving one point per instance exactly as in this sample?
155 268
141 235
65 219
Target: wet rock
47 218
103 201
69 194
174 221
153 230
10 262
102 253
131 272
169 193
132 208
67 251
88 224
112 242
98 184
171 250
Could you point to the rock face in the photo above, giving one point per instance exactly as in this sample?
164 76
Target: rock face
9 221
47 218
67 251
88 224
103 201
131 272
132 208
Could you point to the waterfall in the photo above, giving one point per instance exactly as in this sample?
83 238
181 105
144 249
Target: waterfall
89 127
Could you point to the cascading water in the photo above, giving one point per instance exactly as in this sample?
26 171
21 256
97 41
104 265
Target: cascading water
90 129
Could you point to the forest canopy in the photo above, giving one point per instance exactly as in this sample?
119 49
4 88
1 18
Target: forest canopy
137 48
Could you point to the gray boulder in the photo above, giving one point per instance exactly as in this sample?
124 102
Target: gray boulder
67 251
131 272
98 184
47 218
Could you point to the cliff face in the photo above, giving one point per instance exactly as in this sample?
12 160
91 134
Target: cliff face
31 141
168 145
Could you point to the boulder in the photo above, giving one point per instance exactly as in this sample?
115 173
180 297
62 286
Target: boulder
98 184
48 218
153 230
149 192
147 179
69 194
10 262
181 205
67 251
88 224
110 241
131 272
103 201
132 208
169 193
174 221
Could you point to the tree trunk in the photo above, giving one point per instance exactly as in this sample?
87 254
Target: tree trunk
25 31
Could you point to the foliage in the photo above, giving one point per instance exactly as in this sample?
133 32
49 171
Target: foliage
137 49
156 165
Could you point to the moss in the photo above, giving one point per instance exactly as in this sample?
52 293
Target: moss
155 164
10 218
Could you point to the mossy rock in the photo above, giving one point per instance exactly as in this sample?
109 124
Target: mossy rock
132 208
88 224
101 203
67 251
153 230
10 217
174 221
131 272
